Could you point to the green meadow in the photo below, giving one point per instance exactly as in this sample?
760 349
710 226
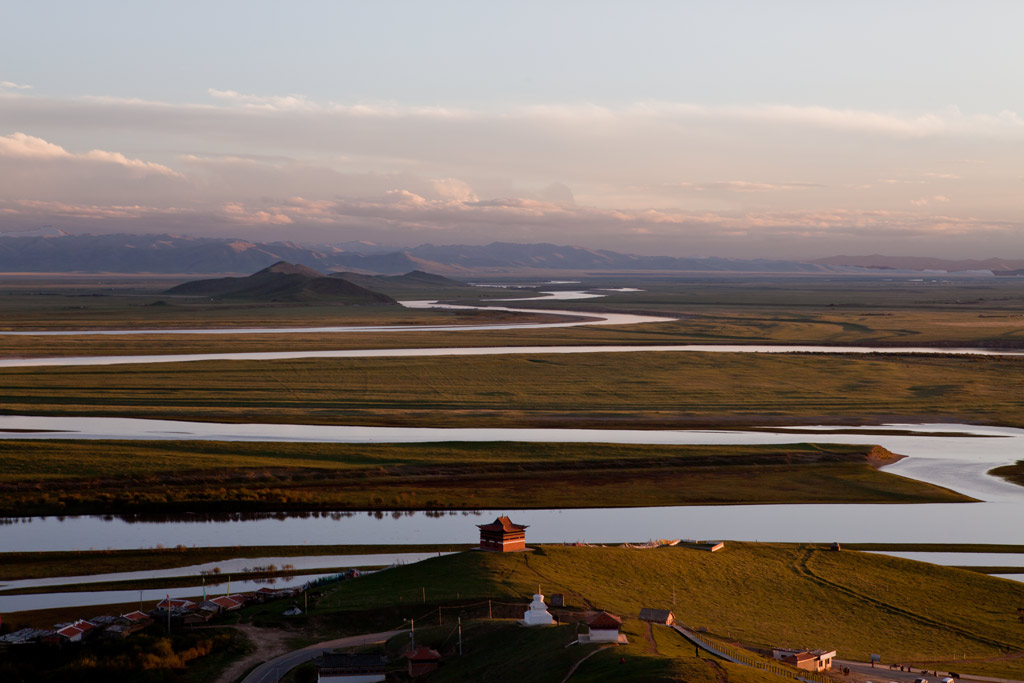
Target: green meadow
637 390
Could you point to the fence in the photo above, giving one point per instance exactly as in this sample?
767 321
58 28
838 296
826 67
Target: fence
748 658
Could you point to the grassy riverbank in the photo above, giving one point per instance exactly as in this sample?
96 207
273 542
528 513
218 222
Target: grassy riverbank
633 390
34 565
89 477
1011 473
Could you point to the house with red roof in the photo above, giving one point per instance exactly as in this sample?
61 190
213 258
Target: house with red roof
138 617
808 660
176 604
422 661
77 631
604 628
227 603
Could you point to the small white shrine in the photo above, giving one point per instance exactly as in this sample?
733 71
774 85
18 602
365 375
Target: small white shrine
538 614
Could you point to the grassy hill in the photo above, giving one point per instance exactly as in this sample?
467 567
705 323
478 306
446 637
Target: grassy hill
756 594
415 284
501 650
283 282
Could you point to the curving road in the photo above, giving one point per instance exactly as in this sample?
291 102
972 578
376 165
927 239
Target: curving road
272 670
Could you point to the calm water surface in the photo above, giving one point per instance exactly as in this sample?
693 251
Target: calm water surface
930 523
954 456
227 567
146 597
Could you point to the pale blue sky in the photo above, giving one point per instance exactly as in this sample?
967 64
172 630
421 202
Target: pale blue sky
715 126
867 55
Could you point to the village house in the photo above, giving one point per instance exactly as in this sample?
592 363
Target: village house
351 668
604 628
502 535
657 616
226 603
178 608
127 625
264 594
76 632
25 636
808 660
422 661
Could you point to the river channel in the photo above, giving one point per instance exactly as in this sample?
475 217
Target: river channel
954 456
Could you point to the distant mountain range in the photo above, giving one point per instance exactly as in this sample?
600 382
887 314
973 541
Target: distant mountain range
997 266
52 250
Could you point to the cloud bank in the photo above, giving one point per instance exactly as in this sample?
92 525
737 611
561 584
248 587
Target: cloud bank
770 180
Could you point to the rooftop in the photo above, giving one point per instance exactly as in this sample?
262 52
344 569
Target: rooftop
604 620
502 523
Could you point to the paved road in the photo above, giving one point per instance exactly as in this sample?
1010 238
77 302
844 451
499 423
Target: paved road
881 673
272 670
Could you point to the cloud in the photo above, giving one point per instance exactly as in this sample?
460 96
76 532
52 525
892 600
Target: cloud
238 213
404 217
925 201
14 86
454 189
254 163
22 146
747 186
271 103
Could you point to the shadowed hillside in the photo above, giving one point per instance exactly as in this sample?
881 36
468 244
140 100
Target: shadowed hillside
283 281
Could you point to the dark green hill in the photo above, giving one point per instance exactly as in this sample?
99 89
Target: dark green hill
283 281
415 283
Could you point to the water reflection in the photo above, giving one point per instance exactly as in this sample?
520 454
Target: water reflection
892 523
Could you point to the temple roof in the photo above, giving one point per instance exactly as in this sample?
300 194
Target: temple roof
502 523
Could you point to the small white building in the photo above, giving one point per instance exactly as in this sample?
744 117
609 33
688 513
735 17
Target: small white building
808 660
351 668
604 628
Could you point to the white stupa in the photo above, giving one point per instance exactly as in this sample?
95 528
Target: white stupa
538 614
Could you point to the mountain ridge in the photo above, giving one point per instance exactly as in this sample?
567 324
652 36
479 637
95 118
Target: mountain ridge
47 250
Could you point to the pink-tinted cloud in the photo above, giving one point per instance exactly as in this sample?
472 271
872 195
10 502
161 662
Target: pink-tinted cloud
22 146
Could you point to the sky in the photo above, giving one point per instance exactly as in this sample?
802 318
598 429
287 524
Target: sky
776 129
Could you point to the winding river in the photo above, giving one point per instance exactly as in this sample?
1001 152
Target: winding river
955 456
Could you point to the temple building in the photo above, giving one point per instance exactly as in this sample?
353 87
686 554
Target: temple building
502 535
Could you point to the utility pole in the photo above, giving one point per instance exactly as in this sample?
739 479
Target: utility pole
460 636
412 632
